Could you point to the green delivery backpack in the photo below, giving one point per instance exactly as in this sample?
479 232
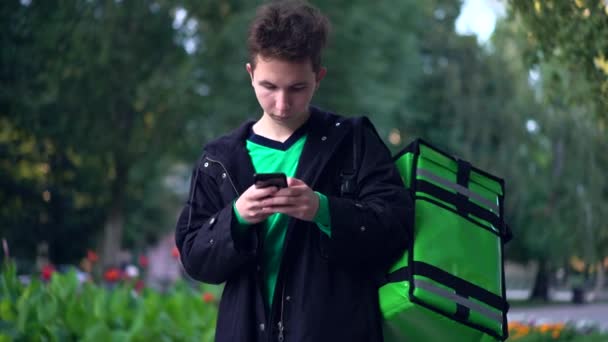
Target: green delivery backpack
449 284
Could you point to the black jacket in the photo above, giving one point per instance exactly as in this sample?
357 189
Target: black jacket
327 287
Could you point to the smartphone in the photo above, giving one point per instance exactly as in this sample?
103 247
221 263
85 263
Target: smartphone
263 180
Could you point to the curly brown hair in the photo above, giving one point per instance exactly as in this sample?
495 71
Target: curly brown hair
290 30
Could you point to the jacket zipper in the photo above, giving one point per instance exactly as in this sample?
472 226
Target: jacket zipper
227 174
280 324
283 278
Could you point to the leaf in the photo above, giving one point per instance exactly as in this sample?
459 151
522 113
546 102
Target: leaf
119 307
120 336
75 316
138 330
98 332
10 283
7 312
24 306
99 306
48 311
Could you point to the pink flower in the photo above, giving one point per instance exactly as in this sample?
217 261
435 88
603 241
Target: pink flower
139 286
175 252
208 297
143 261
112 275
47 272
92 256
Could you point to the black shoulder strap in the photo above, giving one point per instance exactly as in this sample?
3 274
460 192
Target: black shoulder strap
348 178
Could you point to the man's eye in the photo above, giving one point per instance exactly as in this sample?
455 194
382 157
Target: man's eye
297 89
269 86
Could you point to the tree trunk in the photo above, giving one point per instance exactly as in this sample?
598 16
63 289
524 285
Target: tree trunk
600 280
112 237
541 283
113 230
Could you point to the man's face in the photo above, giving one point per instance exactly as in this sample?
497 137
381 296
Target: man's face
284 89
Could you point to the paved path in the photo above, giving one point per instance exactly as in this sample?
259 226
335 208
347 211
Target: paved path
587 312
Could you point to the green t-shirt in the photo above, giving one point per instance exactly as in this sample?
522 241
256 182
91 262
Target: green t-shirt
272 156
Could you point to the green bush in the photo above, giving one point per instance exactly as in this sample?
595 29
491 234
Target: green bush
65 310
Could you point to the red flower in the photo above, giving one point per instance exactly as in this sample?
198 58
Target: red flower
208 297
175 252
47 272
112 275
143 261
139 285
92 256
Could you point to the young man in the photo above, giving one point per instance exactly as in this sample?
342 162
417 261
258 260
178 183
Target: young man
299 263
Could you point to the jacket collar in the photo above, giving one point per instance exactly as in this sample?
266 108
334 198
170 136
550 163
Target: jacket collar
231 151
324 136
325 132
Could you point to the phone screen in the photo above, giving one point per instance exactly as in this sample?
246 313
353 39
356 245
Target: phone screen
263 180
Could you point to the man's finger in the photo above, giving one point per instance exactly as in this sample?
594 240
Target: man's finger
294 182
289 210
277 201
259 193
289 192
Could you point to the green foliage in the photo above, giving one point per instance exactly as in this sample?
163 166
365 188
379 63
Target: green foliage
573 34
563 212
94 98
99 102
65 310
372 59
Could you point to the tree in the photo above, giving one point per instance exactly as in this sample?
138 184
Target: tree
102 88
566 42
575 35
105 97
559 214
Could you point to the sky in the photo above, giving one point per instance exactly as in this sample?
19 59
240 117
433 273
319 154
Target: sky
479 17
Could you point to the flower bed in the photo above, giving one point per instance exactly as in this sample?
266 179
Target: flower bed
64 309
569 331
59 307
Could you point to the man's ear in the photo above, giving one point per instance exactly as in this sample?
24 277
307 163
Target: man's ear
320 75
249 70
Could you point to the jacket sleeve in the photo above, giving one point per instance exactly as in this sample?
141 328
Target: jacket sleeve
212 250
372 230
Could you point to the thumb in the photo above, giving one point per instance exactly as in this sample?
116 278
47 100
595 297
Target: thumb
295 182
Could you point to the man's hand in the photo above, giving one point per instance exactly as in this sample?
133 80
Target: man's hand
297 200
249 204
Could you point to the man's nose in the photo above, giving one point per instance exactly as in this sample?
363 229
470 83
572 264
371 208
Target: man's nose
282 101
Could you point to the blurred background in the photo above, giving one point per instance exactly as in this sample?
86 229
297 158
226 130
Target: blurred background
105 106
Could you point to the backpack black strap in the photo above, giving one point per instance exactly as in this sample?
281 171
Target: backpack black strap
349 186
348 178
463 174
